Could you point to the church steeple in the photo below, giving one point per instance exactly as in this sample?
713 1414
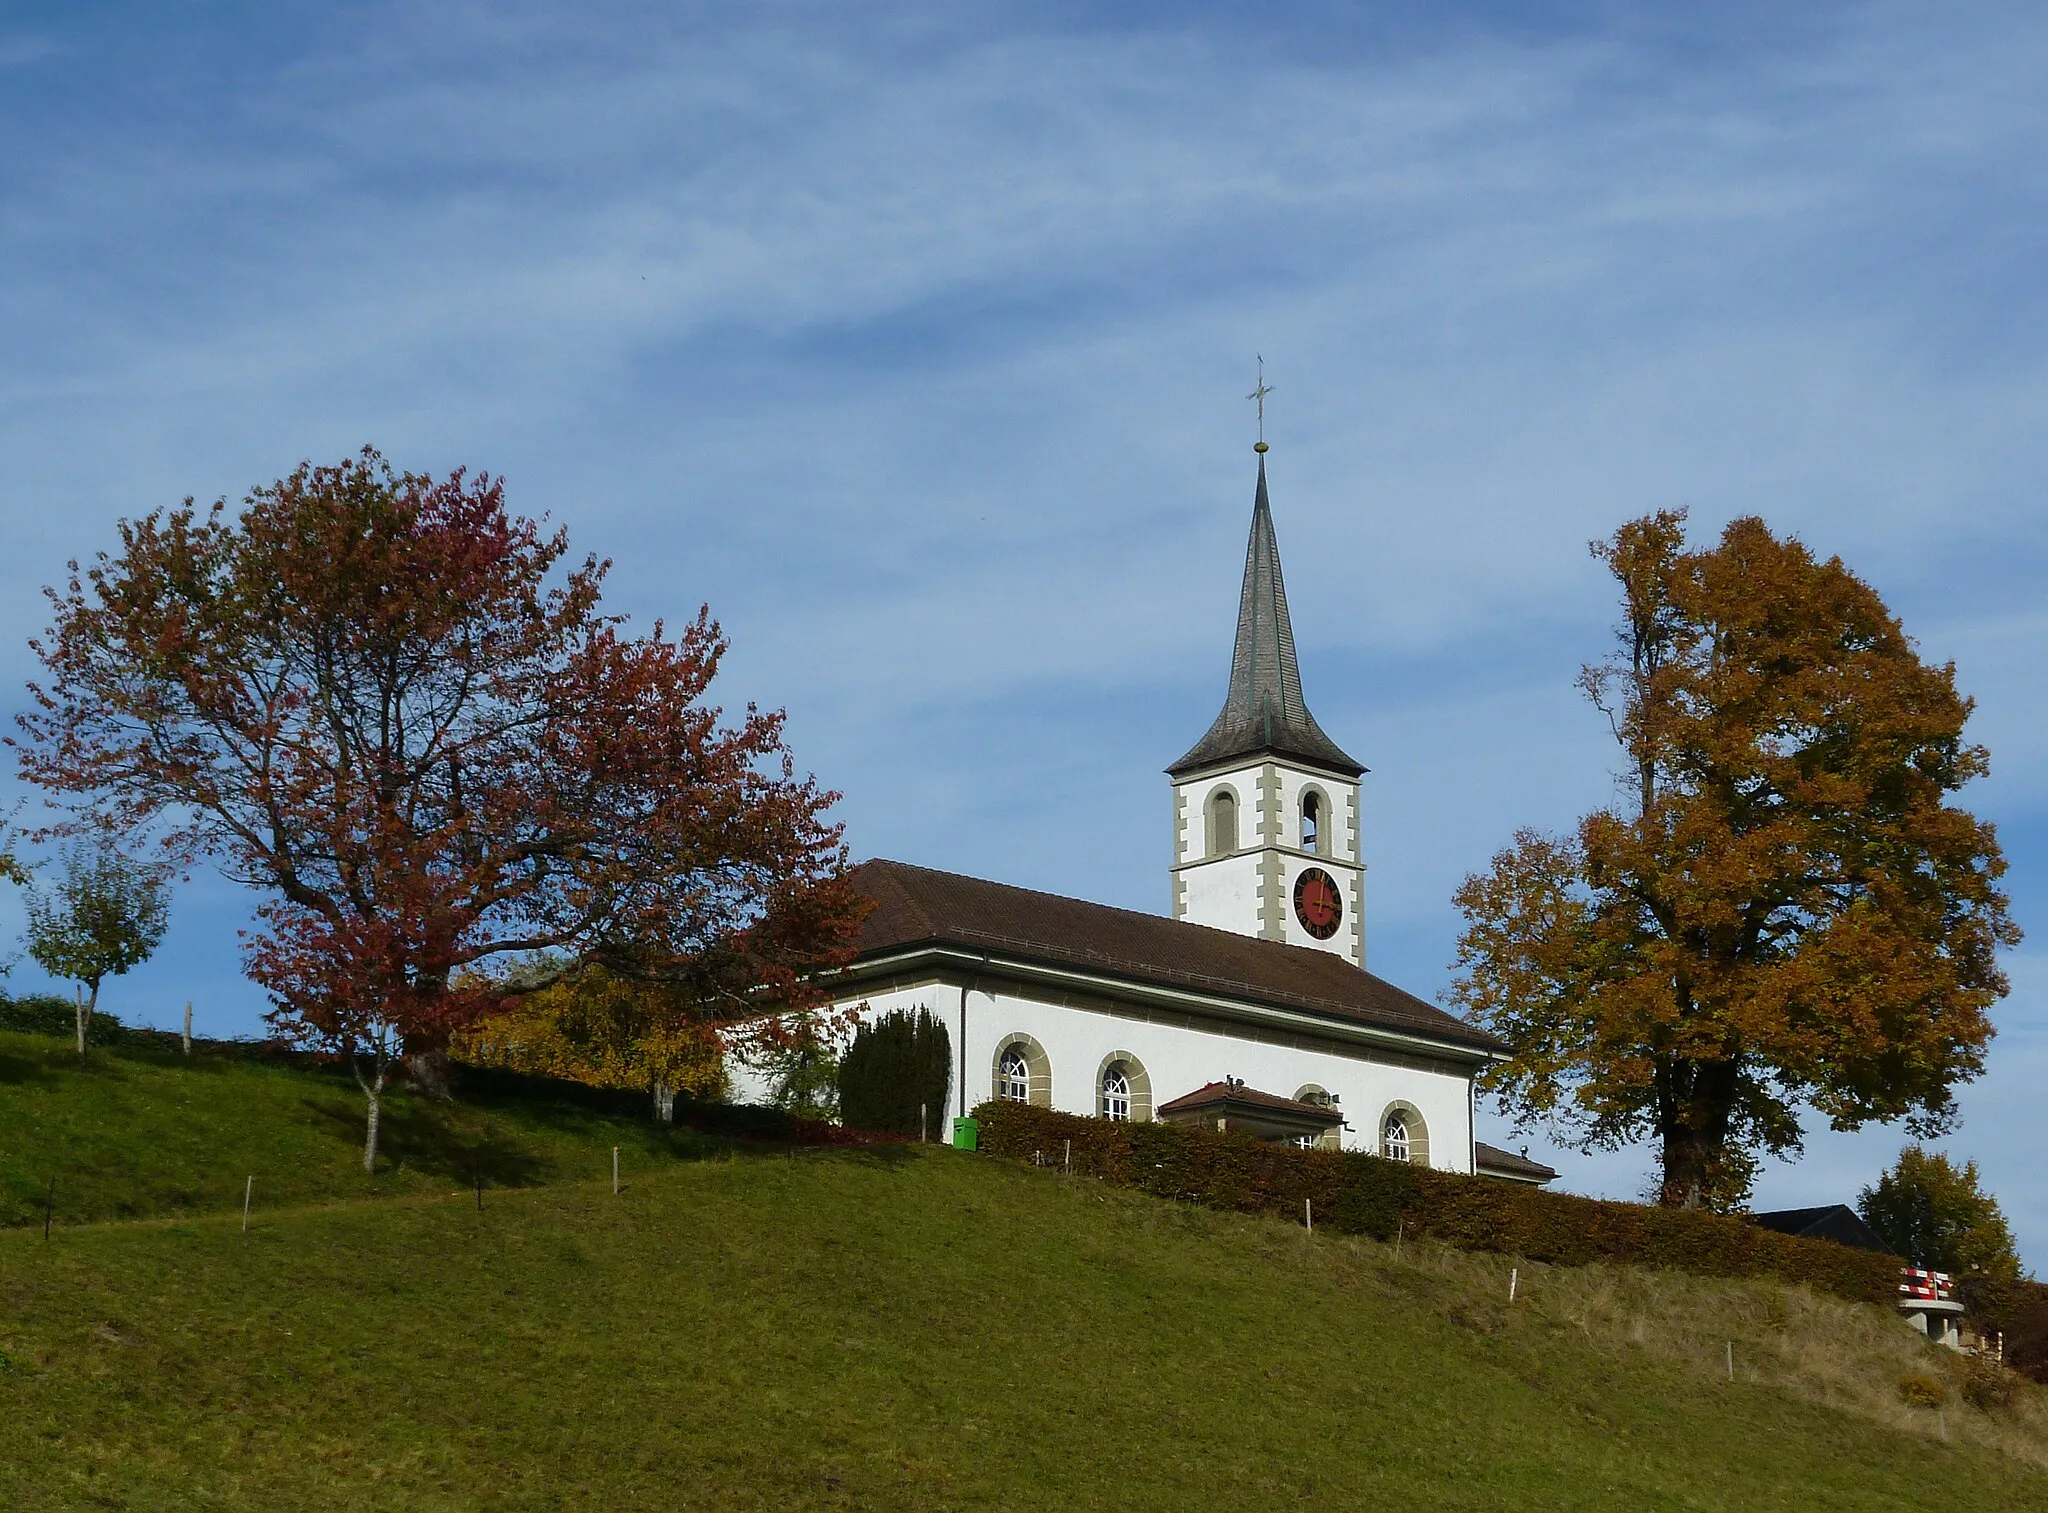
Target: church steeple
1265 806
1264 710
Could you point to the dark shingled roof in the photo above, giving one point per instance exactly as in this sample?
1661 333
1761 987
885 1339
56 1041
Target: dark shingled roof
918 906
1493 1158
1831 1221
1211 1094
1264 710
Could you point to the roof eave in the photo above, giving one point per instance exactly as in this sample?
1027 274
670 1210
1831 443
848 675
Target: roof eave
1300 1018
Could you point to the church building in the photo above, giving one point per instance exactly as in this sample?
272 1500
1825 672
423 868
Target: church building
1249 1007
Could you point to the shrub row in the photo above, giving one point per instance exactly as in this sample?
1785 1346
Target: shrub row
1357 1193
2018 1310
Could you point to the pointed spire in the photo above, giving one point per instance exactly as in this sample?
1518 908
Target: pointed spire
1264 710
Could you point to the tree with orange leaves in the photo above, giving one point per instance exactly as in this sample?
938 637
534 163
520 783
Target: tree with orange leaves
1787 912
372 696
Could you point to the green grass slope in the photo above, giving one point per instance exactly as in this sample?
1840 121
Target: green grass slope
138 1132
893 1328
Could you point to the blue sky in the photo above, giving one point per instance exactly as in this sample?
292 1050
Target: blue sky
916 345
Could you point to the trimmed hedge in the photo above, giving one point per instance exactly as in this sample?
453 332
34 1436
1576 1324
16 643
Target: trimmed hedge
2018 1310
1357 1193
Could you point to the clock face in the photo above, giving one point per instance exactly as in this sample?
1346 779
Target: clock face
1317 904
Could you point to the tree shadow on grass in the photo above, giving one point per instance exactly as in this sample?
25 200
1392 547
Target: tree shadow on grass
20 1071
428 1139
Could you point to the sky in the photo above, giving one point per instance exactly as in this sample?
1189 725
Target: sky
915 339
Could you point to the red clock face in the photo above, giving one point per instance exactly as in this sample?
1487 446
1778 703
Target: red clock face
1317 904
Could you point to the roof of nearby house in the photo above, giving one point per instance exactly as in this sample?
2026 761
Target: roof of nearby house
1264 710
1226 1094
1494 1160
1830 1221
916 906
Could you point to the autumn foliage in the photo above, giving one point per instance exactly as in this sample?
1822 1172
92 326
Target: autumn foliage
397 710
1787 910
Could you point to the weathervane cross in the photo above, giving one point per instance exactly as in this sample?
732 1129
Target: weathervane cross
1258 394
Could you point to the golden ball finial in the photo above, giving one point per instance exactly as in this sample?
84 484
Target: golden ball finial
1258 446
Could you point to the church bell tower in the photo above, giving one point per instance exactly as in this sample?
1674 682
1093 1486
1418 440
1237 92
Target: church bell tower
1265 806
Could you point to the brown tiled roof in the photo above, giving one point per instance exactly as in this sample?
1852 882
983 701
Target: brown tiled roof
918 906
1231 1092
1493 1158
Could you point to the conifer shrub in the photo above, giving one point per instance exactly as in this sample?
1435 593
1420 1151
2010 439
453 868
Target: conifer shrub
898 1067
1358 1193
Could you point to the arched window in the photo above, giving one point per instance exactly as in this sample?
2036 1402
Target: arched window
1013 1075
1403 1135
1317 1096
1222 822
1312 821
1020 1071
1116 1091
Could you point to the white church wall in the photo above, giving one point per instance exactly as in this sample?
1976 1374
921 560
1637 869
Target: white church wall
1223 894
1077 1040
1177 1059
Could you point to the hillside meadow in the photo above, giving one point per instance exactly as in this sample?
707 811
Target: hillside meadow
746 1327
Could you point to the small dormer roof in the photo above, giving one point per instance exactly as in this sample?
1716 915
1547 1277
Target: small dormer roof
1264 711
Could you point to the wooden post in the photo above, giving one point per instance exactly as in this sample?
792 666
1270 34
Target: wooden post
924 1120
1731 1360
49 1208
248 1192
1069 1162
1308 1214
615 1171
188 1029
1514 1279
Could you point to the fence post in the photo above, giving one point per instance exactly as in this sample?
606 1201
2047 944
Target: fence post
1308 1214
1514 1279
188 1029
615 1171
924 1119
1069 1162
248 1192
1731 1360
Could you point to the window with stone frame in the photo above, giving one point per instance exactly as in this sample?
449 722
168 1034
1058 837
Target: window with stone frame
1013 1075
1116 1091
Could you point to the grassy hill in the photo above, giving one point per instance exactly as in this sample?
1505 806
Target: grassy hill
903 1328
139 1131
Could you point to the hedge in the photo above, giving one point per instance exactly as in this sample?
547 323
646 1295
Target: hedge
1357 1193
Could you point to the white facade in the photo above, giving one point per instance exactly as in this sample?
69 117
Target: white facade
1071 1039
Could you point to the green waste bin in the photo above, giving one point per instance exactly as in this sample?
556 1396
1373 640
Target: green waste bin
967 1134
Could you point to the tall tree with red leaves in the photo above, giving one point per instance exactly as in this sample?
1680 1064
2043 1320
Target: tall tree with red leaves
373 697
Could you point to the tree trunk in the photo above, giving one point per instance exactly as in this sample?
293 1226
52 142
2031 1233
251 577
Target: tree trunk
1695 1122
370 1135
426 1068
664 1102
373 1095
86 1007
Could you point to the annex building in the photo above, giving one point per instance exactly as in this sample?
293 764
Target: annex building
1250 1007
